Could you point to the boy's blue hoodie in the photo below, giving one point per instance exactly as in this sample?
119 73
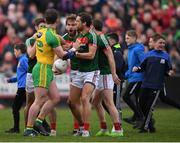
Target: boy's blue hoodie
135 57
21 72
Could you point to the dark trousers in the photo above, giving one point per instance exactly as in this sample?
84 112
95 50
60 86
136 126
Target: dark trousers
133 89
117 99
117 95
20 98
165 99
147 102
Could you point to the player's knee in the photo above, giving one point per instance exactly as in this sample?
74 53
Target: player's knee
43 100
108 104
85 100
40 101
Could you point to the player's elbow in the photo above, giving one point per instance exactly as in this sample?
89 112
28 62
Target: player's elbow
60 54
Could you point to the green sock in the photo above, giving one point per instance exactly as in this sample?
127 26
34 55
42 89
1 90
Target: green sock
29 128
39 121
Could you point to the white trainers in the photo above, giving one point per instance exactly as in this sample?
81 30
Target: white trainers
78 133
85 133
117 133
113 129
53 133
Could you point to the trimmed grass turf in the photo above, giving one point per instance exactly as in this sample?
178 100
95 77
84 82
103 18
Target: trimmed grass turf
167 124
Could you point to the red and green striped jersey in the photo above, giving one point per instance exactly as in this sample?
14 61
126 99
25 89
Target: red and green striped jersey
103 44
87 65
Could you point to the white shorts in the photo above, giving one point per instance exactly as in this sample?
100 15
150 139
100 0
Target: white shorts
29 83
105 82
84 77
73 75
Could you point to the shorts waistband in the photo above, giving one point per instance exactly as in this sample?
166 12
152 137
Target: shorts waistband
48 65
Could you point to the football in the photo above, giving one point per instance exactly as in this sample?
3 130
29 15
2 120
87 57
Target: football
61 65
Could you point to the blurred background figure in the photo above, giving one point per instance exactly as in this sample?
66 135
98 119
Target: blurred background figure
146 17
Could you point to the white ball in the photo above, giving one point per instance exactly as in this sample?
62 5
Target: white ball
61 65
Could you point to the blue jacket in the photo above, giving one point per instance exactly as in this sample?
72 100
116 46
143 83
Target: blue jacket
135 57
21 72
155 66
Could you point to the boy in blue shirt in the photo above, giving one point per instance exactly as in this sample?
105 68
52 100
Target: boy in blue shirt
135 57
155 66
20 98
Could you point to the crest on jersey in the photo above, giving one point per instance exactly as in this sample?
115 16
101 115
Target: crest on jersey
162 61
39 34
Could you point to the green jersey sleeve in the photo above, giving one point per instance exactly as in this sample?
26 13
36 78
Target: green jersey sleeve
30 41
52 39
105 43
92 38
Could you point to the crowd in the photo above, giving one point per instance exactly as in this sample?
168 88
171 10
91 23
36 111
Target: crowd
146 17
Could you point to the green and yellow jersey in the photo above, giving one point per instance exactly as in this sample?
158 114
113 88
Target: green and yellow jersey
46 40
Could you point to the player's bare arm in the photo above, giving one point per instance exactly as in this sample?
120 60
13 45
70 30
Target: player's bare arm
59 52
109 54
89 55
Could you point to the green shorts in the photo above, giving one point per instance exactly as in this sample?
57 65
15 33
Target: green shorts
42 75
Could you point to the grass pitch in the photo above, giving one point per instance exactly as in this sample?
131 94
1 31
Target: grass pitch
167 124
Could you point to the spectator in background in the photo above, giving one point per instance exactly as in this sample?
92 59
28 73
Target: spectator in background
4 39
137 14
175 58
177 40
31 13
11 13
178 17
8 64
13 39
112 22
